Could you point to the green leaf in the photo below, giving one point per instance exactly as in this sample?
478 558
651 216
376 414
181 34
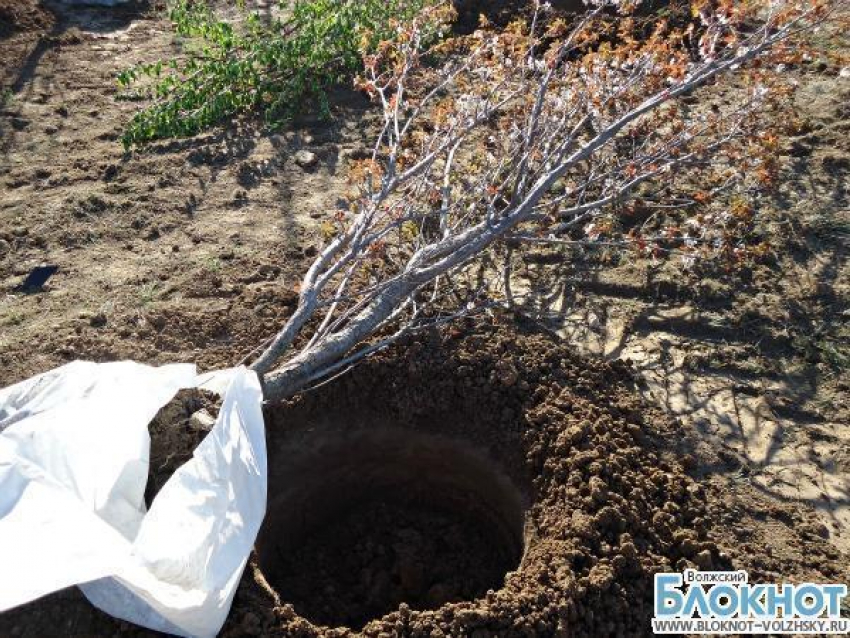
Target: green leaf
227 70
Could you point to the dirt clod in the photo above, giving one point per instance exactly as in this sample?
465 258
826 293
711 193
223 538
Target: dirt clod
306 160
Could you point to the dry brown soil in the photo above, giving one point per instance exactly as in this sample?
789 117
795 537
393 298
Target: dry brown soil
541 490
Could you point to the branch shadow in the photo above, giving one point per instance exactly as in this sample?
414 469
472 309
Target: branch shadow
762 414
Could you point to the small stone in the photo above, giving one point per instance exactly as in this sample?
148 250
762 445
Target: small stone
97 320
306 159
201 421
240 196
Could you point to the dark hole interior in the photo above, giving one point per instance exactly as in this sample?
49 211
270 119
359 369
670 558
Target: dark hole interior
359 523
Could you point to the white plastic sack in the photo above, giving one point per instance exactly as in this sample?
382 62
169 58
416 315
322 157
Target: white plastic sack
74 453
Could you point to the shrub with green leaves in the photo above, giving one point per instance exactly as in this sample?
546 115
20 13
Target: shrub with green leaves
275 67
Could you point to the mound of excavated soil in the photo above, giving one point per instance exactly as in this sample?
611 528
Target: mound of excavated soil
604 508
605 502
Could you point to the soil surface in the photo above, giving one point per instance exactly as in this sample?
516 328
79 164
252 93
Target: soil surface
723 443
615 491
189 251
